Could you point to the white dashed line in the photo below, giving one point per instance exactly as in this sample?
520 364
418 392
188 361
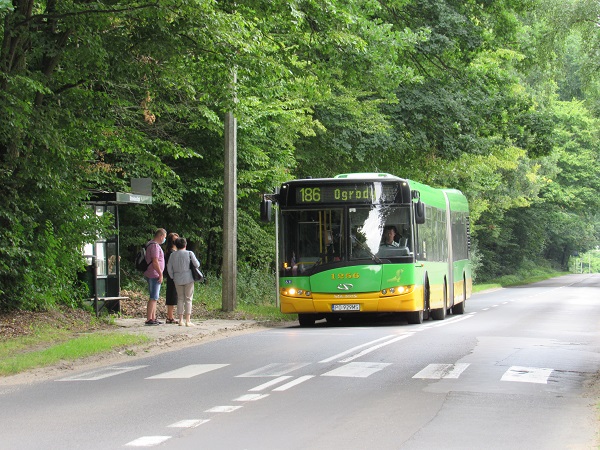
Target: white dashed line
223 409
99 374
527 374
357 370
148 441
353 349
192 423
439 371
293 383
273 370
188 371
268 384
250 397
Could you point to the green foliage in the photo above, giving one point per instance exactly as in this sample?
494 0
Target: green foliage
447 92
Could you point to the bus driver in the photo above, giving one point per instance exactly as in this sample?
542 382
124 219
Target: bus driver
389 237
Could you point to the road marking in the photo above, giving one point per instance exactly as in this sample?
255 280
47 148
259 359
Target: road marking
223 409
451 321
353 349
274 370
439 371
188 371
99 374
250 397
191 423
148 441
527 374
356 369
485 309
268 384
376 347
293 383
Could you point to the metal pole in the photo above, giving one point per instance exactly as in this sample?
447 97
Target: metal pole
229 269
276 211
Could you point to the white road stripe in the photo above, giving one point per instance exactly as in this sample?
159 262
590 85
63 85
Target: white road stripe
527 374
250 397
188 371
356 369
353 349
376 347
293 383
223 409
451 321
268 384
99 374
148 441
439 371
274 370
191 423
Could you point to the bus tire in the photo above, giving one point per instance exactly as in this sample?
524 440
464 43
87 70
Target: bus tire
459 308
440 313
307 320
332 319
414 317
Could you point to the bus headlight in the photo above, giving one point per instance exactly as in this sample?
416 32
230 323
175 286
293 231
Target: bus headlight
396 290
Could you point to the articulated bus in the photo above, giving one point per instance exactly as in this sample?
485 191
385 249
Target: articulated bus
370 243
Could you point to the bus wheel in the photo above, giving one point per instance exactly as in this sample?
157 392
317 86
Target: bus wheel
440 313
332 319
460 307
414 317
306 320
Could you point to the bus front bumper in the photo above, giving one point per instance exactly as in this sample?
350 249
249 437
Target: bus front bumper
342 303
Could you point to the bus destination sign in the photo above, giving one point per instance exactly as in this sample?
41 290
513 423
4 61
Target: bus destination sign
339 193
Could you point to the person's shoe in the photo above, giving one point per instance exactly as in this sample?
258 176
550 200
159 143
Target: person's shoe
181 323
151 322
190 324
157 322
175 321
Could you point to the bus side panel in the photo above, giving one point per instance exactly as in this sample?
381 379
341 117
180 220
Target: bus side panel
437 273
462 269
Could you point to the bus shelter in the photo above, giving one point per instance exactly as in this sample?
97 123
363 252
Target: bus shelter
103 274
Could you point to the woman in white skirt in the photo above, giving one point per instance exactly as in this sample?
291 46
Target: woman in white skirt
179 270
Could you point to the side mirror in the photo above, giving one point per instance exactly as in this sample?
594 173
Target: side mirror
266 207
419 212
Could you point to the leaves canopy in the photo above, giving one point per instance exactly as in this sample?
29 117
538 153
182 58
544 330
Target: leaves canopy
447 92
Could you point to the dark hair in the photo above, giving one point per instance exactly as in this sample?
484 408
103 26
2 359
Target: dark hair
171 238
180 243
391 227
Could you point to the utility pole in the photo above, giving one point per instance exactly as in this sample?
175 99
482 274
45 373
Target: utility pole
229 269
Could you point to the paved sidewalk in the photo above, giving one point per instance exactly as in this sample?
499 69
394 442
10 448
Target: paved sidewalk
202 328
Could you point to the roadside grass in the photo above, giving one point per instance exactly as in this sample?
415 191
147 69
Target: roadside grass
28 352
525 276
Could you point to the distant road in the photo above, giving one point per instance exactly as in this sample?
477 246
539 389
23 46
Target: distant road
516 371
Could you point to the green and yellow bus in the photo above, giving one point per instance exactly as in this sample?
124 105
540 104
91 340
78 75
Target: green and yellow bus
370 243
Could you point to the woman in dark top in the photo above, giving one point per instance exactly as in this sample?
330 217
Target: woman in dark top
171 294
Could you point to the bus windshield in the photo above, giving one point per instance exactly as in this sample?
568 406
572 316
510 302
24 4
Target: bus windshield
319 238
380 232
311 238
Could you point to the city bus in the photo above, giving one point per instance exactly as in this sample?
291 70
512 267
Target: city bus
370 243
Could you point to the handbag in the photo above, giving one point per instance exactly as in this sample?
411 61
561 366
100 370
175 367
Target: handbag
197 274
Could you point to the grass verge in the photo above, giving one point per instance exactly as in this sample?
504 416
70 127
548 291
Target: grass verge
28 352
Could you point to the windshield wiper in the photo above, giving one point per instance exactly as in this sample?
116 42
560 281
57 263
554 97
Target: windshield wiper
367 249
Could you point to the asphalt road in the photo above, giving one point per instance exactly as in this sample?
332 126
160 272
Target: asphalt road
516 371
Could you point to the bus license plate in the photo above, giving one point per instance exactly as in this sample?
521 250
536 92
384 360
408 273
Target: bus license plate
352 307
